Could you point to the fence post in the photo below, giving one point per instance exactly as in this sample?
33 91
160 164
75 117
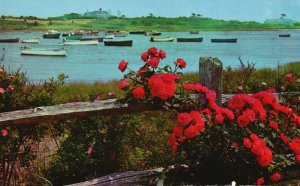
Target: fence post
210 75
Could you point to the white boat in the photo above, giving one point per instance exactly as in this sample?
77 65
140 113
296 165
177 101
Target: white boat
43 51
30 40
111 36
79 42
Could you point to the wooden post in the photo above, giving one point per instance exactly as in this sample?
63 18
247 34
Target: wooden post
210 72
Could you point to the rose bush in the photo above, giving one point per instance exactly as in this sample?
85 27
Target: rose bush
252 139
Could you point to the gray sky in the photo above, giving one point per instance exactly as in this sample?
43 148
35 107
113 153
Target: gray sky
244 10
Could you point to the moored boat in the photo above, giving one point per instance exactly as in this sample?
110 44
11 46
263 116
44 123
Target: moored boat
43 52
51 34
137 32
198 39
80 42
194 32
228 40
284 35
116 33
111 36
9 40
34 41
153 34
164 39
118 43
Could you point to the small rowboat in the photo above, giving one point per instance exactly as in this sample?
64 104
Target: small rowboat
165 39
83 38
194 32
118 43
137 32
199 39
284 35
9 40
34 41
79 42
51 34
43 52
153 34
111 36
232 40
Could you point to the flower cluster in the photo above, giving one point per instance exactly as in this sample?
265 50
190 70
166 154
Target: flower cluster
158 83
189 126
258 147
8 87
257 121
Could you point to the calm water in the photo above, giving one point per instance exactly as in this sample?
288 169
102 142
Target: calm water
99 63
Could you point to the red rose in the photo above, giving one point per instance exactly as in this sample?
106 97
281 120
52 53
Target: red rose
184 118
219 118
173 142
122 65
123 84
199 126
243 121
145 56
260 181
138 92
178 130
273 125
4 132
284 138
2 91
265 159
180 63
191 132
162 54
153 62
289 78
152 50
248 143
275 177
10 87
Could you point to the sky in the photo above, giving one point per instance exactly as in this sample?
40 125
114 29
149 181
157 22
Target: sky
243 10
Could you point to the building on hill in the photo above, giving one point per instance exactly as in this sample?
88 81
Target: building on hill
98 13
282 21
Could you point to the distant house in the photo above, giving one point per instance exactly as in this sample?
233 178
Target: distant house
98 13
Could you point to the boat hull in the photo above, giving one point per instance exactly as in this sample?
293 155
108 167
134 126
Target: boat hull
233 40
284 35
33 41
200 39
118 43
9 40
44 52
51 36
137 32
167 39
79 42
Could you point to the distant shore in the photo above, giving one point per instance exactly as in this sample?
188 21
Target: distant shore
162 24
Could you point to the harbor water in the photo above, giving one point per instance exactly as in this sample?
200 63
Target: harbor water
90 63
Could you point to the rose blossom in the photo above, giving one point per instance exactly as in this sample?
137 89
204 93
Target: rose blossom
138 92
275 177
180 63
184 118
260 181
4 132
2 91
90 150
123 84
122 65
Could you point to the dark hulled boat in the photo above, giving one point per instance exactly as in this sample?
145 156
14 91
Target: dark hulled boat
284 35
231 40
137 32
118 43
9 40
194 32
198 39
